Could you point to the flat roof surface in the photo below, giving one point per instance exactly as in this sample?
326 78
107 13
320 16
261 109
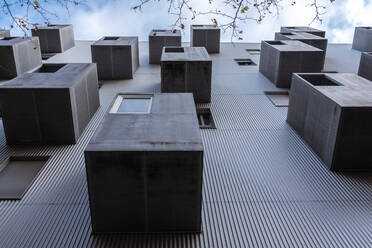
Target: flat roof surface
262 187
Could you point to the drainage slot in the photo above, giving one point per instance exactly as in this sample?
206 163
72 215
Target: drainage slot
244 62
205 118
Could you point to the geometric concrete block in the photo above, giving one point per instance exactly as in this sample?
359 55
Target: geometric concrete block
207 36
116 57
302 29
4 33
365 66
187 69
18 55
363 39
52 105
279 59
55 38
159 39
333 114
308 38
144 166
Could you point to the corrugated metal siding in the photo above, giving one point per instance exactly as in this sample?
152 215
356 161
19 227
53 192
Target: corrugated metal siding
263 186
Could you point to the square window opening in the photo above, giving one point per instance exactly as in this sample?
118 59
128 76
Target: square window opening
174 50
278 98
50 68
111 38
245 62
132 104
205 118
275 42
17 173
253 51
320 80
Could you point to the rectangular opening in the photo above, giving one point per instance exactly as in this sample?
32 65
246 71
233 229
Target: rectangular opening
132 104
205 118
275 42
368 27
50 68
320 80
253 51
174 50
278 98
244 62
287 33
111 38
198 25
160 31
9 38
329 71
17 175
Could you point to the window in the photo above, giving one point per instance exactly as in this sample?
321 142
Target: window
244 62
254 51
319 80
205 118
278 98
17 175
275 42
132 104
49 68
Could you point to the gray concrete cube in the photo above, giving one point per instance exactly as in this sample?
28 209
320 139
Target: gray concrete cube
308 38
51 105
159 39
279 59
365 66
306 29
207 36
145 170
18 55
4 33
187 69
116 57
55 38
363 39
333 114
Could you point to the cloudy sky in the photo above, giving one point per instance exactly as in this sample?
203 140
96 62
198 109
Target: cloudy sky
115 17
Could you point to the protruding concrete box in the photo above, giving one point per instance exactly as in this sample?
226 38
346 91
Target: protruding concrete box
365 66
159 39
333 114
18 55
302 29
207 36
145 166
308 38
116 57
187 69
49 106
4 33
363 39
55 38
279 59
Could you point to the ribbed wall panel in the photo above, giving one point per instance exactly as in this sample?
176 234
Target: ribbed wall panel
263 186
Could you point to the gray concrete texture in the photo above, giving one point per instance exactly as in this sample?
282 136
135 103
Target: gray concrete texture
145 171
306 29
160 38
363 39
333 114
116 57
308 38
51 105
55 38
365 66
280 59
18 55
207 36
187 69
4 33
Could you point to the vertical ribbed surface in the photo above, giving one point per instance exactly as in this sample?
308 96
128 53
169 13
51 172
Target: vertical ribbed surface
263 186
